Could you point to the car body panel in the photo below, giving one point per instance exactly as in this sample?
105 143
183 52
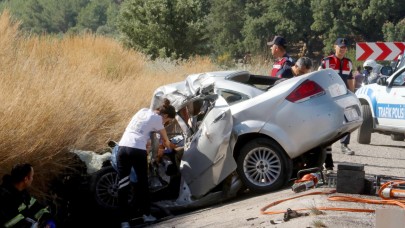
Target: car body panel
281 124
208 161
194 81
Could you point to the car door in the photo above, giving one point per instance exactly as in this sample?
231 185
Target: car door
208 159
390 106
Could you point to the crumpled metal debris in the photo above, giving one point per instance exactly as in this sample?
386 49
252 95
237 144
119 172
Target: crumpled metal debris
290 214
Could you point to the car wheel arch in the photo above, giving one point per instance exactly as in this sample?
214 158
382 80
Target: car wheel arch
245 149
245 138
367 101
371 105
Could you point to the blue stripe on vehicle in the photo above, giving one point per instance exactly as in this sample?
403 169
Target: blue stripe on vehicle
370 93
390 111
361 90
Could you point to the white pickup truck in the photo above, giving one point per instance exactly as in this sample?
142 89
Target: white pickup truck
383 105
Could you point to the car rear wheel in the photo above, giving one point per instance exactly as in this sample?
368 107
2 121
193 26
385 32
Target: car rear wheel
366 128
398 137
263 166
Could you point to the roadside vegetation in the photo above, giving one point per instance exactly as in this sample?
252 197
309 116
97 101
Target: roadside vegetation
223 29
75 92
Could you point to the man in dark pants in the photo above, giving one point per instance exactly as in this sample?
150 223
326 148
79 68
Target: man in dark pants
343 66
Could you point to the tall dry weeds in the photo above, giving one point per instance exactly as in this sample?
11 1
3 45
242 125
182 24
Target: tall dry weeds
71 92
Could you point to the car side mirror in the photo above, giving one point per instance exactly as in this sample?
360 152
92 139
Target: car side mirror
382 81
386 70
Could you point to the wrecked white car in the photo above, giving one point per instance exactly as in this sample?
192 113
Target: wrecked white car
235 130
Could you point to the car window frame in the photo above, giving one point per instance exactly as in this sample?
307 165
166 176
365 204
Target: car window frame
231 93
401 82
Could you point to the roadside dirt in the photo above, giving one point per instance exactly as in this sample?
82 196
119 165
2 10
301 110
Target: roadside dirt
382 157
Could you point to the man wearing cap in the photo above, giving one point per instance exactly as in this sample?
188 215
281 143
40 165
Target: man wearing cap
343 66
282 59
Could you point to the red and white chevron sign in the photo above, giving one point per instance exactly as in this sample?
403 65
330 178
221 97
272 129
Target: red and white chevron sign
379 50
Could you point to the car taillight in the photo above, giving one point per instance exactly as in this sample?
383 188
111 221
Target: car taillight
305 91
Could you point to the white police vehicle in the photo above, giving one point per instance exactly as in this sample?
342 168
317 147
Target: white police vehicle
383 105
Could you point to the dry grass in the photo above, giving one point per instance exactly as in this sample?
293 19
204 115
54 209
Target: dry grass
71 92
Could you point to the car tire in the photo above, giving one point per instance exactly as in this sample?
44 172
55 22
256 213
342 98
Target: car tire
397 137
104 188
263 166
366 128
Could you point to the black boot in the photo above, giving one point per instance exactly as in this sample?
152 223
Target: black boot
329 162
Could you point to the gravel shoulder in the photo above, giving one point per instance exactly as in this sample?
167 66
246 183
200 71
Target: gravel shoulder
382 157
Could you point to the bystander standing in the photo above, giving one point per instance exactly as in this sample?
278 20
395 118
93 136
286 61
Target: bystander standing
359 78
343 66
282 59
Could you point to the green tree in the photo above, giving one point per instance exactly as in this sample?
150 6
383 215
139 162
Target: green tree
329 20
53 16
93 15
99 17
377 14
291 19
110 28
226 21
360 20
165 28
257 27
50 16
14 6
394 32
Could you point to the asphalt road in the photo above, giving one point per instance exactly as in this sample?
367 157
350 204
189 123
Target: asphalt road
382 157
